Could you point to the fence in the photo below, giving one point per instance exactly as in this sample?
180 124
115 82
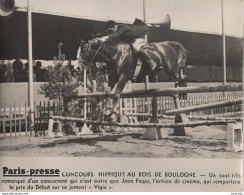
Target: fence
152 128
140 109
15 119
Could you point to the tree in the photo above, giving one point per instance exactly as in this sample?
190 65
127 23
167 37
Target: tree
60 83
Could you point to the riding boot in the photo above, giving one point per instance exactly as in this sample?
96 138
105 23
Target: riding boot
151 62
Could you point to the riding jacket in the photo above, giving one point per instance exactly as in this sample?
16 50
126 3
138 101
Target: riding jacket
129 32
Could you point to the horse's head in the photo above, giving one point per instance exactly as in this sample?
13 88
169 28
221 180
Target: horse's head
88 50
84 50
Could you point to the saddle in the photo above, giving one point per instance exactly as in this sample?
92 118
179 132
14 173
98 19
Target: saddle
140 60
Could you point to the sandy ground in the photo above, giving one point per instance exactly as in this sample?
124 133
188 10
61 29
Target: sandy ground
200 142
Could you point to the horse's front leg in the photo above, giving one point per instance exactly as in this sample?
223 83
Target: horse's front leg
108 102
182 76
120 86
179 77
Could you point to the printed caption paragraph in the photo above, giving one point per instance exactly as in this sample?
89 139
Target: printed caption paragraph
20 179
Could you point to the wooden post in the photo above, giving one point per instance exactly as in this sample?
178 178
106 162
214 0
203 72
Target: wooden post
19 120
35 117
95 109
26 125
15 126
4 121
58 108
44 115
85 129
1 125
50 132
153 133
146 88
50 128
10 118
48 110
234 130
179 118
40 117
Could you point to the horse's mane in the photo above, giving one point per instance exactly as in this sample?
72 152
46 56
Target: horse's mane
117 45
110 43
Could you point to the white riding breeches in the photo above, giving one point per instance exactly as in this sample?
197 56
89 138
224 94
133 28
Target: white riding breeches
139 42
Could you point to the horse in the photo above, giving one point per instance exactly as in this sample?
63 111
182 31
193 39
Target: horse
122 60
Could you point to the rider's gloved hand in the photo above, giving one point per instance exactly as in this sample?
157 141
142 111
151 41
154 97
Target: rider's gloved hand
103 38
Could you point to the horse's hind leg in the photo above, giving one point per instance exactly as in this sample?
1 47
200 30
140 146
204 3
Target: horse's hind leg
120 86
112 86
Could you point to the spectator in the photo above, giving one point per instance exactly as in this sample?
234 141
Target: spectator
6 73
1 76
26 72
75 79
17 70
70 66
40 73
79 72
76 76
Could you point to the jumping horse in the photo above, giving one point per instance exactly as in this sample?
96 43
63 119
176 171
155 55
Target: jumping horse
122 62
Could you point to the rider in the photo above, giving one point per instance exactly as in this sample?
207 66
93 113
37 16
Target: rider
135 33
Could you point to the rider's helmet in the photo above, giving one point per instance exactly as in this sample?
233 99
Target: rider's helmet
112 25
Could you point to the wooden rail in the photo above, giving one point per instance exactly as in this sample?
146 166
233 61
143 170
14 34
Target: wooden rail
204 106
207 117
165 92
147 125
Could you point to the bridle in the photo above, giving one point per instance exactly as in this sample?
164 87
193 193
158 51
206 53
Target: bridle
89 52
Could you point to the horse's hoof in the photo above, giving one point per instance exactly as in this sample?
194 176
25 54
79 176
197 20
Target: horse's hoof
113 118
183 77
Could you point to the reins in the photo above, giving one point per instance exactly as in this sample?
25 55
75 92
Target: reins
95 55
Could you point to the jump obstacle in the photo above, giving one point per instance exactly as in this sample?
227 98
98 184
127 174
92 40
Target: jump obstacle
181 119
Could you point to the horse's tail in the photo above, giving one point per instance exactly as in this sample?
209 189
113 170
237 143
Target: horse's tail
180 50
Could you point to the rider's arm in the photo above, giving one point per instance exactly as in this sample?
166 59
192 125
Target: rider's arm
105 33
117 34
120 31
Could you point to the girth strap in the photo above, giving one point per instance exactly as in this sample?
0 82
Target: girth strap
138 68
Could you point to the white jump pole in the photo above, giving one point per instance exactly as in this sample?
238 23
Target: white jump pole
30 83
146 77
145 21
84 76
85 129
223 41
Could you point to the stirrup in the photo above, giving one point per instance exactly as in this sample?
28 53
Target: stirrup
153 64
161 67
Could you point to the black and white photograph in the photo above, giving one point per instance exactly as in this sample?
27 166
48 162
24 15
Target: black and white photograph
90 84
